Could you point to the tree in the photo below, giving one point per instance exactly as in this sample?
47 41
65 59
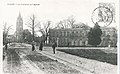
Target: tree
94 35
63 24
45 30
66 23
27 36
5 33
32 24
71 21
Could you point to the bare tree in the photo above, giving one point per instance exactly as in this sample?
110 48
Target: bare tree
45 30
32 24
71 21
67 23
40 29
6 32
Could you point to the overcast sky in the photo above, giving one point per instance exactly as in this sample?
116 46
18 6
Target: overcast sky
53 10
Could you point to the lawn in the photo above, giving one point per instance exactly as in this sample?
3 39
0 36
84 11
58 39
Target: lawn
95 54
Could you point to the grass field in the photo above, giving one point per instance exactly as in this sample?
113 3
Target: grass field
95 54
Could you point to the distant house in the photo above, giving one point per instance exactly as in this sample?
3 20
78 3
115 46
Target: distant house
11 38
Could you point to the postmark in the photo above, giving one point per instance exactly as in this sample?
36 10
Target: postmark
102 15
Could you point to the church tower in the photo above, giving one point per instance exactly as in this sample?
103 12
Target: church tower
19 29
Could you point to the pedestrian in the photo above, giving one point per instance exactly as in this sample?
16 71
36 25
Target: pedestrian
68 44
33 47
54 46
4 53
3 57
41 46
6 46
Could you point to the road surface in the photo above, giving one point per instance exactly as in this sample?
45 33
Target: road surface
21 60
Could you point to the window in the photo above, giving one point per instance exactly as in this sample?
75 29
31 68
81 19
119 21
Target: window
74 32
68 34
56 34
62 33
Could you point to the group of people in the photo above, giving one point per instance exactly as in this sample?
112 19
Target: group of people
54 45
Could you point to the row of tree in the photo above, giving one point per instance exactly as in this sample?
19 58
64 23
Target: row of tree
43 28
33 23
94 35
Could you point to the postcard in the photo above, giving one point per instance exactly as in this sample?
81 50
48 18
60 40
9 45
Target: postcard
59 36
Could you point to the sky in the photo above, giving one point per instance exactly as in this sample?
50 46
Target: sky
52 10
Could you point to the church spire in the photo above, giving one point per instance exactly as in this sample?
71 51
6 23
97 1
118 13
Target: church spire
19 17
19 14
19 28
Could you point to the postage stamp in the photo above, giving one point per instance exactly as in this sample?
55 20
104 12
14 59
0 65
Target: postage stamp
102 15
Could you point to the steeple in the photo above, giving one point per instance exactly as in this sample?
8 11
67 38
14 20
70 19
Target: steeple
19 14
19 17
19 28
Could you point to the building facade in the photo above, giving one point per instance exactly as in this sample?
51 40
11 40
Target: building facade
109 36
19 29
76 36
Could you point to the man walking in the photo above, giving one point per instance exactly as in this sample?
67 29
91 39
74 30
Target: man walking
54 46
6 46
41 46
33 47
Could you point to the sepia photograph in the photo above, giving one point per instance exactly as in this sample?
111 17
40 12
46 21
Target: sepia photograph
59 36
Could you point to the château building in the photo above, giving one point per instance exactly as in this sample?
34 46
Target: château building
75 36
109 36
19 29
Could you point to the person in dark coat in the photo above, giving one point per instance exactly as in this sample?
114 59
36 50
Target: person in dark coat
54 46
6 46
68 44
3 57
33 47
41 46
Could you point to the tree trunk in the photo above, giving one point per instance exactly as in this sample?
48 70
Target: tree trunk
33 27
